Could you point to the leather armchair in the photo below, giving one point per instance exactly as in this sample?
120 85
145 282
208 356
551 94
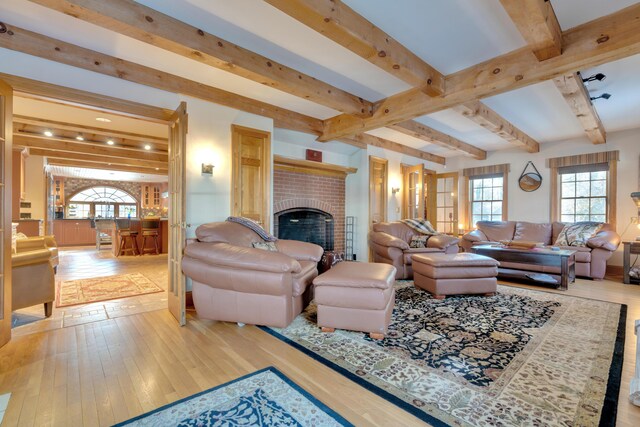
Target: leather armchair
235 282
40 242
33 280
389 243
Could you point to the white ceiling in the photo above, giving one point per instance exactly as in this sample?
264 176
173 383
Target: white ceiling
450 35
103 174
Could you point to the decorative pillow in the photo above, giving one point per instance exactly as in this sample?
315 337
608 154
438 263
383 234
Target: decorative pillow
577 234
420 225
249 223
267 246
418 241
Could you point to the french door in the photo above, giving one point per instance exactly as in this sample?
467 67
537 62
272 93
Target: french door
6 132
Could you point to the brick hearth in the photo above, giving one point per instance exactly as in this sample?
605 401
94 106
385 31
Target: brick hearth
302 190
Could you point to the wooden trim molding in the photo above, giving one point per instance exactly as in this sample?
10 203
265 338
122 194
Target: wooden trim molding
487 170
584 159
310 167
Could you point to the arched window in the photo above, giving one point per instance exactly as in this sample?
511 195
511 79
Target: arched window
102 202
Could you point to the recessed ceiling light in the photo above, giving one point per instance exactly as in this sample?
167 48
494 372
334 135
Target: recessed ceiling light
80 137
103 119
157 169
147 147
48 133
110 142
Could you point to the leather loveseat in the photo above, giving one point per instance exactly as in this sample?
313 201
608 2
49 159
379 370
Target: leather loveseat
235 282
27 244
591 259
389 242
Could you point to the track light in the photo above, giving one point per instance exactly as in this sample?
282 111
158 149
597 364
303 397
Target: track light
599 77
48 133
110 142
603 96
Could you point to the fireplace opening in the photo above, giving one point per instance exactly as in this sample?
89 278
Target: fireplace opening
306 225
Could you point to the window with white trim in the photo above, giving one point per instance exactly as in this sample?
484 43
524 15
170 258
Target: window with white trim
486 197
583 193
102 202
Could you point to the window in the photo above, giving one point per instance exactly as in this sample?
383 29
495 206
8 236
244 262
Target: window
583 187
102 202
413 191
583 195
486 198
486 194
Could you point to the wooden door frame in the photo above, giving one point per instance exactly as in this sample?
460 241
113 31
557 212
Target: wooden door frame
406 171
266 178
7 160
379 160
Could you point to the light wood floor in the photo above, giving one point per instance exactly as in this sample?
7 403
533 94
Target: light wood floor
103 372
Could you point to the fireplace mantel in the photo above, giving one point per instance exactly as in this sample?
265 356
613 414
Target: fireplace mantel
311 167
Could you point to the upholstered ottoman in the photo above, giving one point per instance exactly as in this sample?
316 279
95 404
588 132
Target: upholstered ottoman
454 274
356 296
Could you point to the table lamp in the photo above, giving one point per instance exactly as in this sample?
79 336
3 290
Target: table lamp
636 198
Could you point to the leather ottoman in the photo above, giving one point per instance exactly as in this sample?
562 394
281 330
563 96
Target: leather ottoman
455 274
356 296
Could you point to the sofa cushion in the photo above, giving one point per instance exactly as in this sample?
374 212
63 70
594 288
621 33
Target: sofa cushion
533 232
556 228
396 229
497 230
300 281
577 234
227 232
583 253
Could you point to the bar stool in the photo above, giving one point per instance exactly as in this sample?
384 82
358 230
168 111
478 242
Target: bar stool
150 229
127 236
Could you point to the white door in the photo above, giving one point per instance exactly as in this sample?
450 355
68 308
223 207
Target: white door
6 132
177 144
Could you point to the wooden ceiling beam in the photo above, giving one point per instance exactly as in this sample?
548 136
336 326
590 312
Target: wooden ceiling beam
105 160
31 43
538 24
376 141
34 89
481 114
344 26
596 42
86 148
102 166
432 136
150 26
579 100
45 47
53 124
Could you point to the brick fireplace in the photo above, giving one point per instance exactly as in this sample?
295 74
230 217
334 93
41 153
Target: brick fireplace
294 190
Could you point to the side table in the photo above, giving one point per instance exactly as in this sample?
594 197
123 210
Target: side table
629 248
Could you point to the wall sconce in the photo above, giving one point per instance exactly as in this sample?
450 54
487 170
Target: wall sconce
207 169
394 190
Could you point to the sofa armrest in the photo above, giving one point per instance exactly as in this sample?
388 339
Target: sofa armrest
475 236
609 240
301 251
441 241
384 239
38 256
224 254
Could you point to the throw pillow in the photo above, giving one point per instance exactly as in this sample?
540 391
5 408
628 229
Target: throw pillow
420 225
577 234
266 246
418 241
249 223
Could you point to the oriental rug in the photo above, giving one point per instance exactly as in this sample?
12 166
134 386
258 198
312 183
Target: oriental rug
83 291
263 398
522 357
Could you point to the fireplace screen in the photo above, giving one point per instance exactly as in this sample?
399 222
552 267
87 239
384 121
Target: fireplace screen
306 225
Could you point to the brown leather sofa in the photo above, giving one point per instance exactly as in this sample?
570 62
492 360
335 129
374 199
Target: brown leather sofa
40 242
591 260
389 242
234 282
33 280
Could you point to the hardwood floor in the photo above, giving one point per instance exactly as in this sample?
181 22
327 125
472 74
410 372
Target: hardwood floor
103 372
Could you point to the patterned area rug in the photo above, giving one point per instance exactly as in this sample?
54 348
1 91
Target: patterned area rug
264 398
522 357
104 288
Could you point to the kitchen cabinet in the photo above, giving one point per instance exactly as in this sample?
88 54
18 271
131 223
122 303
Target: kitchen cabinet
150 196
70 232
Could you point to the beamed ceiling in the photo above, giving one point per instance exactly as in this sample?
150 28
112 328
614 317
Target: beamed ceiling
428 79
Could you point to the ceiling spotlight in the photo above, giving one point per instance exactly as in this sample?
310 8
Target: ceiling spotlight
110 142
599 77
157 169
603 96
103 119
48 133
147 147
80 137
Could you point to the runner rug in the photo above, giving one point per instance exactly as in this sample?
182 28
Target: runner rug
104 288
522 357
264 398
